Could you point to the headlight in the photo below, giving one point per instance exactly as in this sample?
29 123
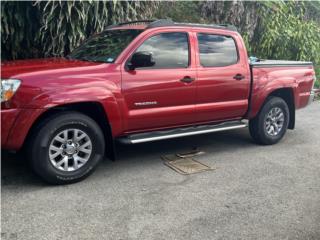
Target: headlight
8 88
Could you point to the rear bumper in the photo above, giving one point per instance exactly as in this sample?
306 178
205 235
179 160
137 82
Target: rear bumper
305 99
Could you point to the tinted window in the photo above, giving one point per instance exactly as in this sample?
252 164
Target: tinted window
217 50
169 50
106 46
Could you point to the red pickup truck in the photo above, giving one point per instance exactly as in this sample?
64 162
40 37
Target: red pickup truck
144 81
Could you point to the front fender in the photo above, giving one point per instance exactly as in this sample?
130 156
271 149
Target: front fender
104 96
62 97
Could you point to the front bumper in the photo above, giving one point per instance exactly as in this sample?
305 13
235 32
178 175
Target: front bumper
8 118
15 125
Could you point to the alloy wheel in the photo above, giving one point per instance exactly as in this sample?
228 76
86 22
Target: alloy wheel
274 121
70 149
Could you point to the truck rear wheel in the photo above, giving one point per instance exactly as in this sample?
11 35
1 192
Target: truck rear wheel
66 148
271 124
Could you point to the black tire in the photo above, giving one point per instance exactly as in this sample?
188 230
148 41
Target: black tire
38 147
257 125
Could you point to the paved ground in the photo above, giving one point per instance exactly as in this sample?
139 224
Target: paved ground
256 192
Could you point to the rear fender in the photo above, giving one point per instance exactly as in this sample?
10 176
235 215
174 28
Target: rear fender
263 88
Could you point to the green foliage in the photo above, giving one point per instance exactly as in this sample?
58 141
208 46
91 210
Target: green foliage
247 42
63 25
56 27
242 14
312 10
180 11
317 84
285 34
66 23
19 24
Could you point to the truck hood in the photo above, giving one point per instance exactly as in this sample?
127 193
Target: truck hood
41 78
54 73
20 68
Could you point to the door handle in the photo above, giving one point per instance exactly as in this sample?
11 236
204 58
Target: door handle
187 79
238 77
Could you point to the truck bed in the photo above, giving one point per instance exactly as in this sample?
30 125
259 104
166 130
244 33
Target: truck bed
279 63
270 75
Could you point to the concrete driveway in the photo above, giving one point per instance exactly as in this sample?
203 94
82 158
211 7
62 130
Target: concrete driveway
256 192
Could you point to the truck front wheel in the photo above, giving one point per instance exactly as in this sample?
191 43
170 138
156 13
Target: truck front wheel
271 124
66 147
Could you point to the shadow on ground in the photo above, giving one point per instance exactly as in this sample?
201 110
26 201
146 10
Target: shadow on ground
15 169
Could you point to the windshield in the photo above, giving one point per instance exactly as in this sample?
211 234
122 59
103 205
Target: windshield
106 46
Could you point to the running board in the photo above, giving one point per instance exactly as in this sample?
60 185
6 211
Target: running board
180 132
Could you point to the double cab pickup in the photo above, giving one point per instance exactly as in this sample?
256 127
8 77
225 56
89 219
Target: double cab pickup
144 81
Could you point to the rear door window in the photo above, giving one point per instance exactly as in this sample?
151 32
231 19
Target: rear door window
217 50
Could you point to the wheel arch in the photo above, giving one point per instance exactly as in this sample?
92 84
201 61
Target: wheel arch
94 110
287 95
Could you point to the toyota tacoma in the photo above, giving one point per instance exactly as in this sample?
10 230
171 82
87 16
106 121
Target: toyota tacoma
144 81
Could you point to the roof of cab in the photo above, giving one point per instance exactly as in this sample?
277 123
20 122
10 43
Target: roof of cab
147 24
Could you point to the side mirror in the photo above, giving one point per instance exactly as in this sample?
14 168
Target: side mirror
141 59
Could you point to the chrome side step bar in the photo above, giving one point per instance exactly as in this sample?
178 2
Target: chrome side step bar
180 132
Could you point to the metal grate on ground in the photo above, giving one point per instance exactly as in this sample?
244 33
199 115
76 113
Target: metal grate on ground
185 164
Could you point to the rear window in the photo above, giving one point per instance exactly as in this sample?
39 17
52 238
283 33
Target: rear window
217 50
